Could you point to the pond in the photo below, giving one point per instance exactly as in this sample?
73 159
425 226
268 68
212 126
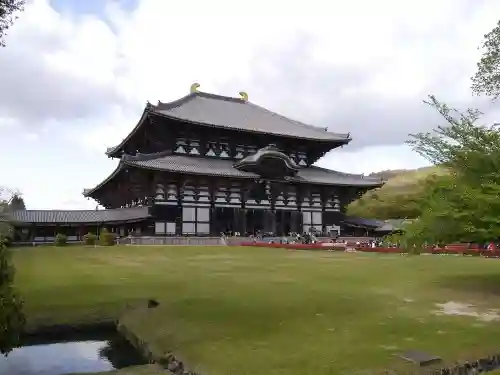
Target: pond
88 355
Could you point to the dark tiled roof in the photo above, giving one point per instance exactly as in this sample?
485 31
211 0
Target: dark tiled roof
235 113
386 227
221 167
378 225
79 216
394 224
232 113
362 222
327 176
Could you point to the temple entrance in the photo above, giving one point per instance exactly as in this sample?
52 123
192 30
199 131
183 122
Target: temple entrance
223 220
254 221
283 222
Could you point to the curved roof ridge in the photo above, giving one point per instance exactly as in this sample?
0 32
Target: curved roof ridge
174 103
178 102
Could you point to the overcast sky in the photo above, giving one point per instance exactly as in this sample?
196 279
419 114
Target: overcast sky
76 75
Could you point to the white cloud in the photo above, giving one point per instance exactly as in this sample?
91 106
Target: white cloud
77 83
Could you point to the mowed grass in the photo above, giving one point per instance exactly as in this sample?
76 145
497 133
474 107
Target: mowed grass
230 310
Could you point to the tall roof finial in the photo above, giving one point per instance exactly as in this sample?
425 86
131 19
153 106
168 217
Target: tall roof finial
194 87
244 96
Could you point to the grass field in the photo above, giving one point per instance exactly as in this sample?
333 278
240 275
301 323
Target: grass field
270 311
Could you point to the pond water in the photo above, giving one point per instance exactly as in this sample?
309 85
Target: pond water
60 358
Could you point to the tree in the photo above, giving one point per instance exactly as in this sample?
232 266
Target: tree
7 10
486 80
12 320
462 205
17 203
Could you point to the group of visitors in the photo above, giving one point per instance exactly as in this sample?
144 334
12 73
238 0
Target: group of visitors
292 238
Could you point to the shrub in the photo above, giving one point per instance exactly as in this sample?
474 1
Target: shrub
12 319
106 238
90 239
60 239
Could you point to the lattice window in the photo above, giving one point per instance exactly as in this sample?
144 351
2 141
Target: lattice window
160 192
312 221
240 150
302 158
194 147
160 227
211 148
180 146
224 150
202 220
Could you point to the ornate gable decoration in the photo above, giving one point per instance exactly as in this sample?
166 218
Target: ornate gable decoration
268 162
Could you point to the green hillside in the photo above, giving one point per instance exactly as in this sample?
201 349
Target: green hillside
398 198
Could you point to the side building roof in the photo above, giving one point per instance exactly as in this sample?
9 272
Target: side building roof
192 165
219 111
79 216
390 225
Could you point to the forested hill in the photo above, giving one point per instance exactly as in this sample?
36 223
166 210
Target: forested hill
398 198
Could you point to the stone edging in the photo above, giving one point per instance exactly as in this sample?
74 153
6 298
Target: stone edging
168 360
482 365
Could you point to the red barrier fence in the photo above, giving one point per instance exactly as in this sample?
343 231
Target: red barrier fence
455 249
293 246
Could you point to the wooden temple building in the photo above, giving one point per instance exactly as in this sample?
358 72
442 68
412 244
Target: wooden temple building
206 164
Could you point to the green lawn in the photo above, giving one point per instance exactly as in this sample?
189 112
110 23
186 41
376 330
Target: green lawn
270 311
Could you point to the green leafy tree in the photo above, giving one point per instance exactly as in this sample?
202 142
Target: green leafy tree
17 202
8 9
486 80
462 205
12 320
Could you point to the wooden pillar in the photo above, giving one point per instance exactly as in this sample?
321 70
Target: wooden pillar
236 220
243 221
32 232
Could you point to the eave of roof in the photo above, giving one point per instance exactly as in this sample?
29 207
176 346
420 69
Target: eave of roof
167 110
390 225
202 166
88 192
112 151
68 217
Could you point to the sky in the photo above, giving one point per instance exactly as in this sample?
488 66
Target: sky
75 76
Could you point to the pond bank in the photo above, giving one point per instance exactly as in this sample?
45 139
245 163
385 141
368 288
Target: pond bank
65 349
132 333
68 332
